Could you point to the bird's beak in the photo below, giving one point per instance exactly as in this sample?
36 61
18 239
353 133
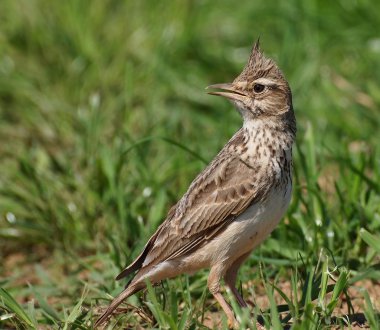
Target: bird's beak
228 91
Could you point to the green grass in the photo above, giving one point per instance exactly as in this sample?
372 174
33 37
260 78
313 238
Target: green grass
104 122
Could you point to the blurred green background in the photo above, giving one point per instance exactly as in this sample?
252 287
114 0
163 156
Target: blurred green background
104 122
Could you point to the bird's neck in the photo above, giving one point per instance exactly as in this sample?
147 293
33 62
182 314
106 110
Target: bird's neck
266 139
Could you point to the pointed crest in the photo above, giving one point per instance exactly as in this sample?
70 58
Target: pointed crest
258 66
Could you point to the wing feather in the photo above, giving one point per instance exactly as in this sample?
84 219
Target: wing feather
215 198
225 189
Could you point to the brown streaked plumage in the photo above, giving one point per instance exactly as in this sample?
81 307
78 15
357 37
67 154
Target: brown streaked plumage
237 200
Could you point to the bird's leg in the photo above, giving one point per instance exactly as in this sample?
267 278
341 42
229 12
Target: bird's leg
239 298
227 309
214 287
230 279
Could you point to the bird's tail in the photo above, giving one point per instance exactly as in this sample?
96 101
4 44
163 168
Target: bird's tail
130 290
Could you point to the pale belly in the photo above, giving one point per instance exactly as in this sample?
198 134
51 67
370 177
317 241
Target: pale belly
245 233
239 238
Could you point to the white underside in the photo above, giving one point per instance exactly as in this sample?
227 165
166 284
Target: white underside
246 232
239 238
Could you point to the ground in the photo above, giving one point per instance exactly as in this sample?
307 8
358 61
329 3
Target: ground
104 122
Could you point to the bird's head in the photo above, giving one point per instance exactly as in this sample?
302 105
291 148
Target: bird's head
260 90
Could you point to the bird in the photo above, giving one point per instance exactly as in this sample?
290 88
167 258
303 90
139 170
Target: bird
236 201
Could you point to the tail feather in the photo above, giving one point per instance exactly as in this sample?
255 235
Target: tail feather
137 264
130 290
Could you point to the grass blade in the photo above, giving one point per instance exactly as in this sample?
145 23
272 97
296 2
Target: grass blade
371 240
11 304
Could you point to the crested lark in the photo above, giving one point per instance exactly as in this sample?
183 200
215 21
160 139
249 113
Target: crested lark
238 199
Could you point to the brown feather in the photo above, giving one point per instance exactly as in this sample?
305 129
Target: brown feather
254 164
213 195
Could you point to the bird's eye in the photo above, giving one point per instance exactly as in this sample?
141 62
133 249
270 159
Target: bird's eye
258 88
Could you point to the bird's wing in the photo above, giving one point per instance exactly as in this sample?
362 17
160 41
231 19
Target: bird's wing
215 198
